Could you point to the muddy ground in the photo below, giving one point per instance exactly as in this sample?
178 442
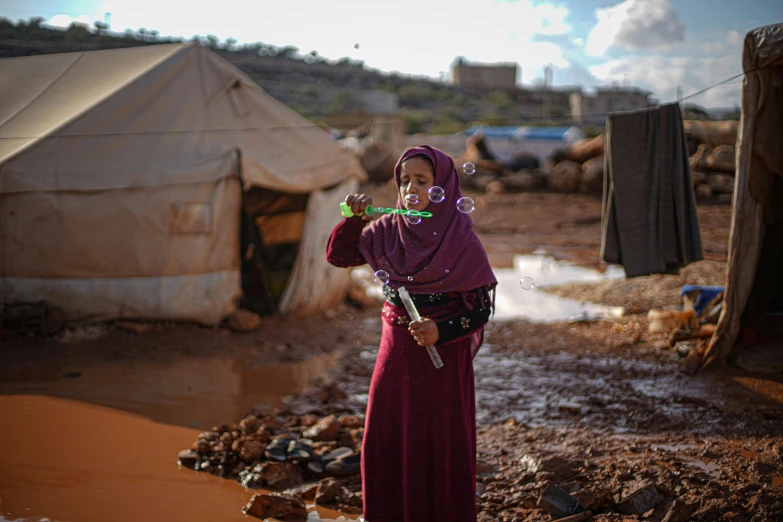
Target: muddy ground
598 408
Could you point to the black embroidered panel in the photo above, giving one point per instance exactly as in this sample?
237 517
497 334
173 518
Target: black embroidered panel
420 300
456 327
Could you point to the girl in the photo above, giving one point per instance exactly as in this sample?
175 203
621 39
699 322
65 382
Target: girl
419 448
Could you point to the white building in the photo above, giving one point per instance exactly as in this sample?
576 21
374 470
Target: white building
586 108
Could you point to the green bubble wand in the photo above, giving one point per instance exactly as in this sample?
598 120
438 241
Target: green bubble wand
347 212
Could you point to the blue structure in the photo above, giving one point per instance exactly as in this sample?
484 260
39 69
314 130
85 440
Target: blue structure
506 141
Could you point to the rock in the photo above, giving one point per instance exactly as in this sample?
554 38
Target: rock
348 498
280 475
275 505
350 421
592 175
720 183
271 422
721 159
697 177
495 187
711 510
344 438
188 459
703 191
250 424
640 501
585 149
134 326
250 448
595 498
680 511
565 176
243 321
328 491
331 393
561 468
308 420
327 429
357 435
305 492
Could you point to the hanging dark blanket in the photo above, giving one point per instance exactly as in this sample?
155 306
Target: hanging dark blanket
649 223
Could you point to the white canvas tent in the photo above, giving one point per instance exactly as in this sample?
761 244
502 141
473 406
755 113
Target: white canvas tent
754 282
121 184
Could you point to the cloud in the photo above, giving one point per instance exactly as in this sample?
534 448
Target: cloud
63 20
662 75
635 25
722 43
418 38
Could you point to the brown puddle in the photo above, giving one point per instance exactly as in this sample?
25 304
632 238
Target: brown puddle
185 391
76 462
64 460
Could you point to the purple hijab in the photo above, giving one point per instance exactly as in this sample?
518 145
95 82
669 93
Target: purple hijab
440 254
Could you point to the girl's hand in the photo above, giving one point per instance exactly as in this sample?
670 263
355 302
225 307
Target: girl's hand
424 331
358 204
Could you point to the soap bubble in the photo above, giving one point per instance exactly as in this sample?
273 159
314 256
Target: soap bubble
465 205
468 168
410 278
414 217
412 199
382 277
527 283
436 194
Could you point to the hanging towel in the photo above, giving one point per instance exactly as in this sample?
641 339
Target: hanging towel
649 223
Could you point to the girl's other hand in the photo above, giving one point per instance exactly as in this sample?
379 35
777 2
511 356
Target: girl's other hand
424 331
358 203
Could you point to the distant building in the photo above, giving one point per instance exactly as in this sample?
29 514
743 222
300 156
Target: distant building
484 76
586 108
380 102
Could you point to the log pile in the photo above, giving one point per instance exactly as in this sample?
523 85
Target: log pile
580 167
712 172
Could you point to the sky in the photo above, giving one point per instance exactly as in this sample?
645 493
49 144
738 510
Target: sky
657 45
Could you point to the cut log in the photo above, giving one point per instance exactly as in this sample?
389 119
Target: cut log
565 176
712 133
592 175
703 192
721 183
698 177
721 159
585 149
698 160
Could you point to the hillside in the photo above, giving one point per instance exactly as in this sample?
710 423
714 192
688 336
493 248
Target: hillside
310 84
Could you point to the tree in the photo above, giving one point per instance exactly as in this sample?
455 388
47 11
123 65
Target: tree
212 41
289 51
229 43
100 26
77 33
694 112
344 101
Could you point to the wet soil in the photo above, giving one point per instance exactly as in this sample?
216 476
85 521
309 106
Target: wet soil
99 415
